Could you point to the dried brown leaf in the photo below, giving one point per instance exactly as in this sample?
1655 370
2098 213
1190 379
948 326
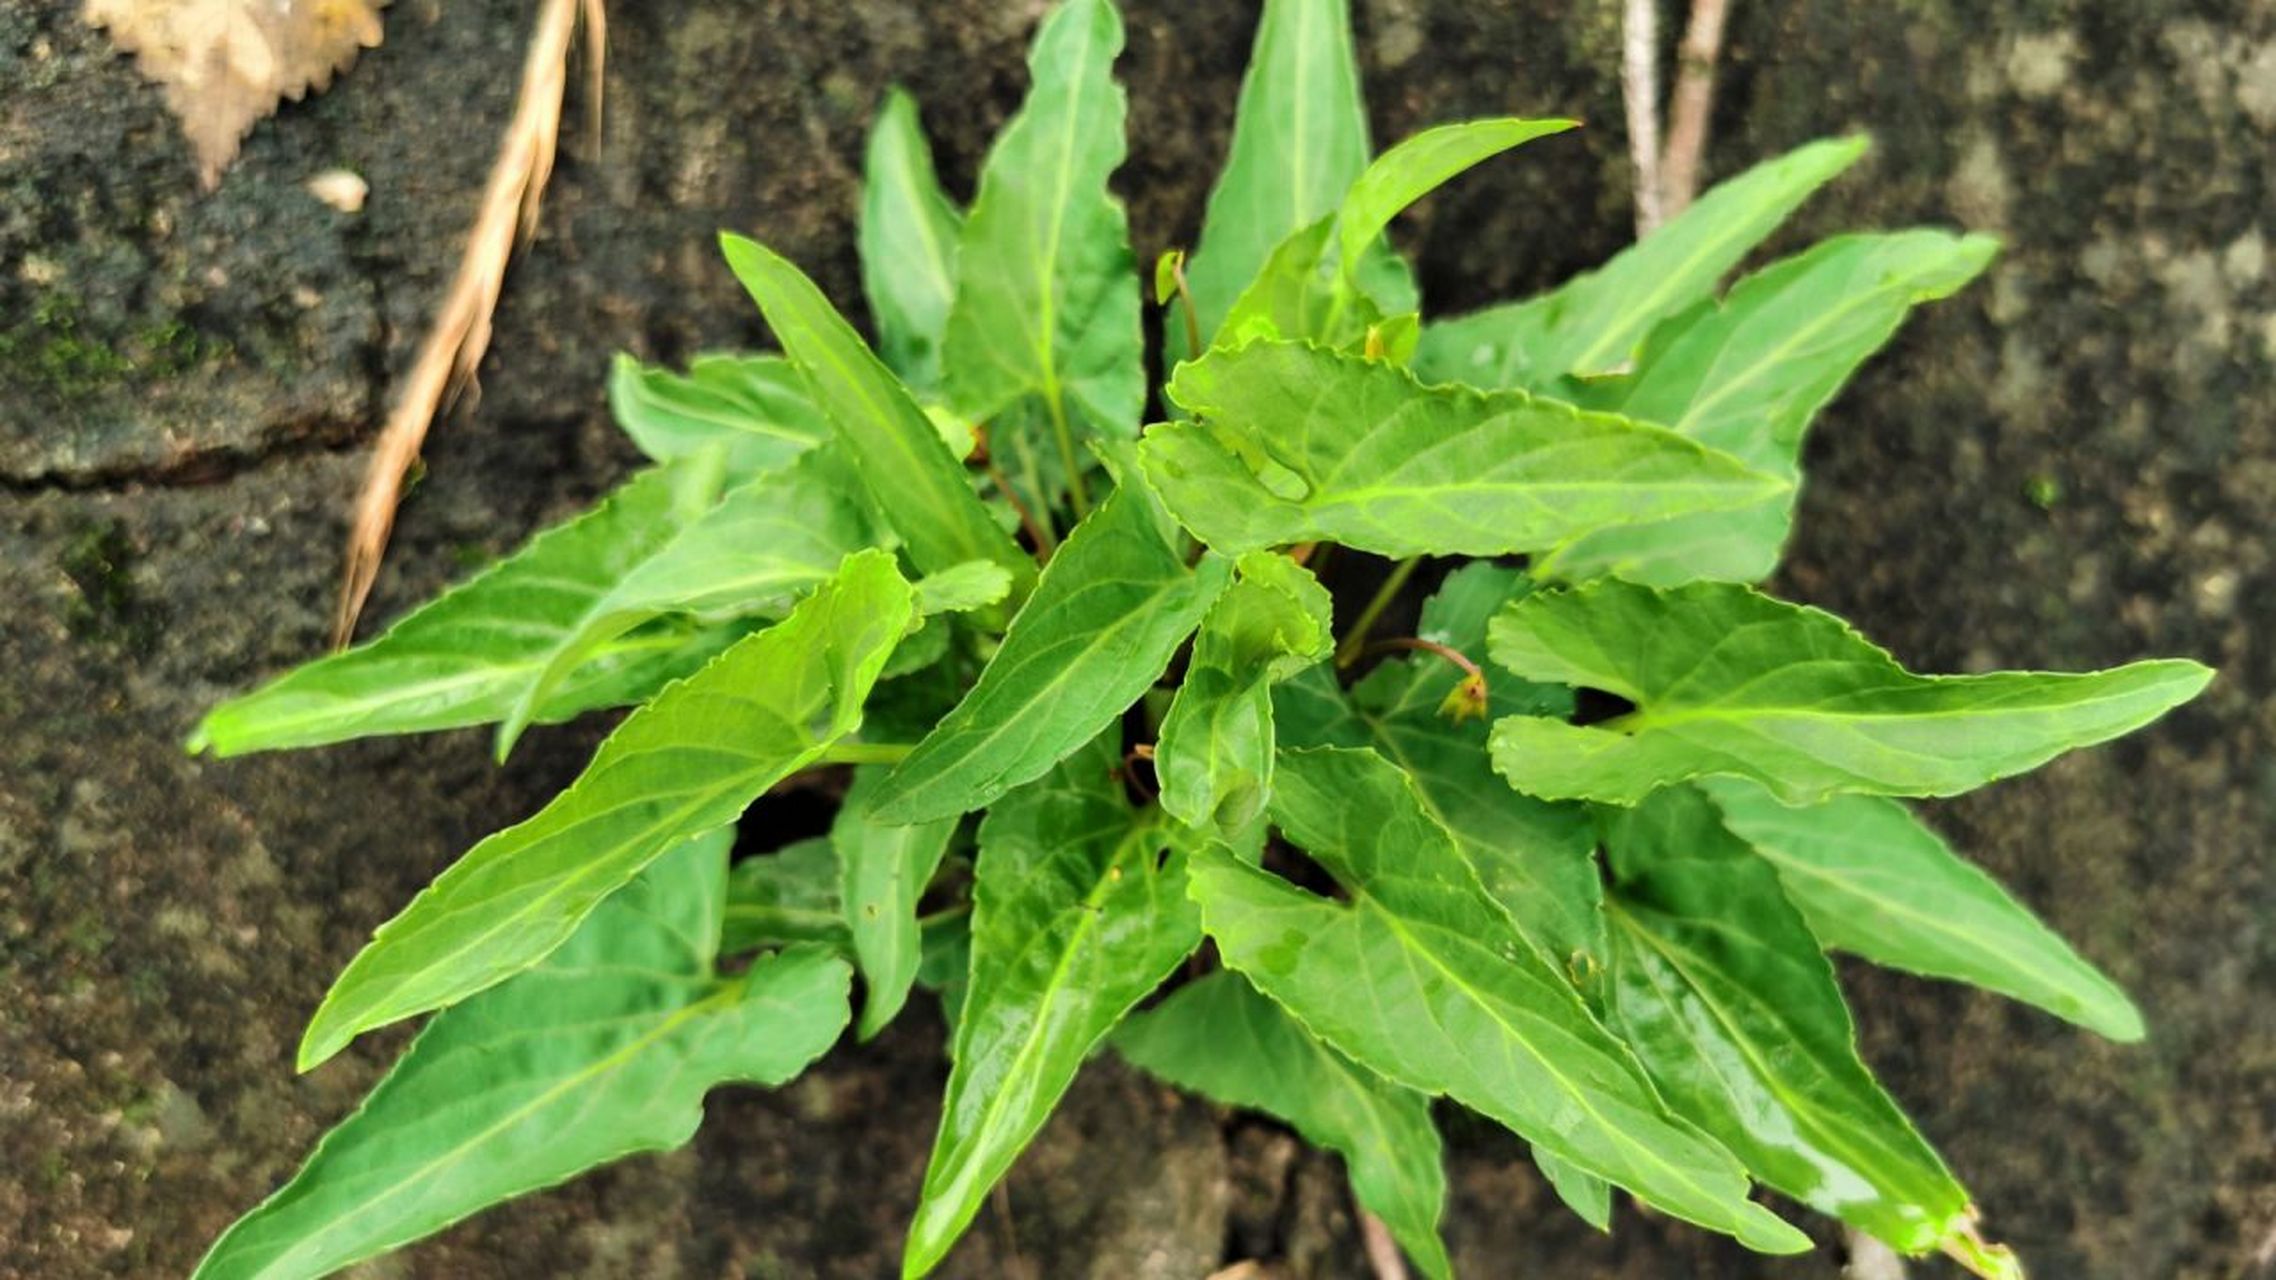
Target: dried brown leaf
225 63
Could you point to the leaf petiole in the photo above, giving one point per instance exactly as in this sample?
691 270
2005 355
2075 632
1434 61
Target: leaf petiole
1355 641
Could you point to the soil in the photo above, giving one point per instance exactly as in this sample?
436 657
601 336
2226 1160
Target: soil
2071 465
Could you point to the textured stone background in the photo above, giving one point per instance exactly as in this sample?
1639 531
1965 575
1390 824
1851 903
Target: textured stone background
185 381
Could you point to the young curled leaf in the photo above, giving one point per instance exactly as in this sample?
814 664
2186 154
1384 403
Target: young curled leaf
1214 757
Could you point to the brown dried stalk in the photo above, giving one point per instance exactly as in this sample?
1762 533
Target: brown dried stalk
1689 107
1382 1251
453 349
1667 178
1640 94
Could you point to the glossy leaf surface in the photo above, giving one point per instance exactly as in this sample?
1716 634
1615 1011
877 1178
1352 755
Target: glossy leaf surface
1299 138
755 407
1727 681
1592 324
468 656
1420 977
1334 280
1114 605
1047 290
768 541
1536 858
1718 986
1588 1196
605 1049
1747 376
884 870
1873 880
1418 166
687 762
1219 1038
1214 755
1076 916
908 241
1300 443
903 463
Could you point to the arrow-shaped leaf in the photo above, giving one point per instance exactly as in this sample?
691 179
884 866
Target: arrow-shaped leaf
1718 986
1046 289
687 762
908 245
908 470
768 541
1872 880
1076 916
756 407
1422 979
1303 443
1592 323
1299 138
1728 681
1334 280
1746 378
605 1049
468 656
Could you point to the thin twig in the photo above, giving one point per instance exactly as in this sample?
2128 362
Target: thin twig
1418 645
1640 94
1382 1250
1038 532
1690 105
454 347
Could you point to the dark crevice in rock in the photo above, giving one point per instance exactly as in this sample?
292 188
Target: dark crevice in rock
197 467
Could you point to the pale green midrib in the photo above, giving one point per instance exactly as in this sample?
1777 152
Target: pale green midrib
1137 616
752 424
275 727
1299 146
962 1162
1063 178
943 508
1828 1133
1654 296
1818 323
748 911
724 995
1579 1097
591 867
935 257
1658 718
2051 979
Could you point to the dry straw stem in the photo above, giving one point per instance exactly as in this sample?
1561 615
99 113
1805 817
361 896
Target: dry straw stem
1640 95
1667 178
1688 108
461 333
1382 1251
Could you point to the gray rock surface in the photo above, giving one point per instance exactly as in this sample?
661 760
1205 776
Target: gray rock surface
2074 464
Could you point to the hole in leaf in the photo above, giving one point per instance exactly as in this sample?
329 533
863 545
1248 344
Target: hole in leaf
1297 867
1595 706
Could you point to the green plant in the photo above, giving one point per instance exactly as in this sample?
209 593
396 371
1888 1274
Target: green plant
1421 871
